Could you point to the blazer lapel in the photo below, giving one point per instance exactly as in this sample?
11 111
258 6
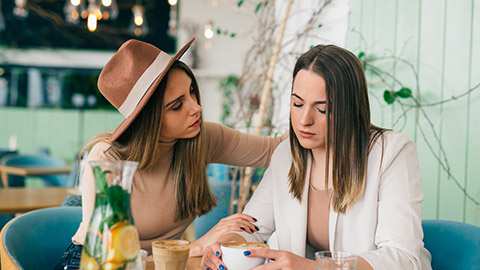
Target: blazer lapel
299 211
332 226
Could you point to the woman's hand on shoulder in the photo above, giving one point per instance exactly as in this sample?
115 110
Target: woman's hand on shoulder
237 222
280 260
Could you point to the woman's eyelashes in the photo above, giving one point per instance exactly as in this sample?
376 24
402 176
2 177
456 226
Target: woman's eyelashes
298 105
177 106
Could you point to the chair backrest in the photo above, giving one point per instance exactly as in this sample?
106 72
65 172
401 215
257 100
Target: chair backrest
37 160
222 190
453 245
4 152
38 239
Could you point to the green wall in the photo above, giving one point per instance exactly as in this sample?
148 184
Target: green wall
438 42
63 131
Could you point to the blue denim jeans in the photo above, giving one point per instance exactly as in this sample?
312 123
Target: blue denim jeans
71 258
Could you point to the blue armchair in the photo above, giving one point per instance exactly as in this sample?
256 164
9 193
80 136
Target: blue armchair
453 245
37 239
222 190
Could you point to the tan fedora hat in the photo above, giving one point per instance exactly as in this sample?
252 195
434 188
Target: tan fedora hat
131 76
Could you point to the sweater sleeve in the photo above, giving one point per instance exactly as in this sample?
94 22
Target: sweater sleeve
399 236
228 146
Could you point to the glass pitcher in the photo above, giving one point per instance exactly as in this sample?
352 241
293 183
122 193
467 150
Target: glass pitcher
112 239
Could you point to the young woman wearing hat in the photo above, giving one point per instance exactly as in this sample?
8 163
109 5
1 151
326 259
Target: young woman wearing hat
339 183
163 130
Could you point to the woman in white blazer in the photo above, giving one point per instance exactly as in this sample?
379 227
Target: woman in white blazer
368 201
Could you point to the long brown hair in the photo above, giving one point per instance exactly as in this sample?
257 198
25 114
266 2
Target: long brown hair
138 143
350 135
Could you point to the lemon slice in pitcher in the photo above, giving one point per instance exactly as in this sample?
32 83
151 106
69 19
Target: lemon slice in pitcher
129 244
124 244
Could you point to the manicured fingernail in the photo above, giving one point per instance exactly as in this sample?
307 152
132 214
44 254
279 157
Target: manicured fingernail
251 230
246 253
222 267
242 228
208 268
256 228
254 219
217 253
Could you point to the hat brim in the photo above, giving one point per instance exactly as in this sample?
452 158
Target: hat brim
129 120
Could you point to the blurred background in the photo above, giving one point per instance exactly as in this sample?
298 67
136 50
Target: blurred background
420 56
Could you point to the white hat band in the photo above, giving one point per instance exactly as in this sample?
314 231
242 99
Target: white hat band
144 83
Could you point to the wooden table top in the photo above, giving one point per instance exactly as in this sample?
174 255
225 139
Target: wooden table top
193 263
19 200
32 171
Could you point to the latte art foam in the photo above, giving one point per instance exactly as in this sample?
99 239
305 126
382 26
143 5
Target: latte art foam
245 245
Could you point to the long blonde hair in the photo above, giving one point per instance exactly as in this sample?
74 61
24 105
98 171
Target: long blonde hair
350 135
138 143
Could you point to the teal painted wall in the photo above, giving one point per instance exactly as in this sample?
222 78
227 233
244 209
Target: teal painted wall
64 132
439 44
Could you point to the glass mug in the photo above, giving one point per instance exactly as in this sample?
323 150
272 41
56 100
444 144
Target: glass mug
335 260
170 254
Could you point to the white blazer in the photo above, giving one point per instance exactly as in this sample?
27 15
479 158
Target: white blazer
384 226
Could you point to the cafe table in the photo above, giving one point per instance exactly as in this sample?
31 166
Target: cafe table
193 263
31 171
20 200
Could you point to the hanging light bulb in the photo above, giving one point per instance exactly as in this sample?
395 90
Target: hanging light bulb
172 22
83 12
109 9
95 9
20 9
92 22
138 26
208 30
172 2
72 10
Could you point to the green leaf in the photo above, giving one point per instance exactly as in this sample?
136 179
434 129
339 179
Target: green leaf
360 55
259 172
311 46
119 203
240 3
233 35
320 25
404 93
219 31
100 180
249 123
388 97
258 7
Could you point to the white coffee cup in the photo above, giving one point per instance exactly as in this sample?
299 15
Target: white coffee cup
234 258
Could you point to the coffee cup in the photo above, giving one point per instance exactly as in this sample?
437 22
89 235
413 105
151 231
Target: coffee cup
234 258
170 254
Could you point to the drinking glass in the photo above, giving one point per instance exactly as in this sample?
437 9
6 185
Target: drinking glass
170 254
336 260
